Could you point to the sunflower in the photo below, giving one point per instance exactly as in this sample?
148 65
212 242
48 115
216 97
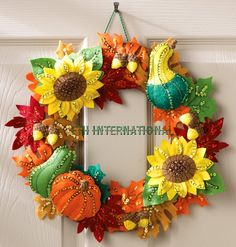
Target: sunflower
68 87
178 168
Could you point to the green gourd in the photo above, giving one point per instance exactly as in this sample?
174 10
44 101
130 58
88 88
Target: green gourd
41 177
165 89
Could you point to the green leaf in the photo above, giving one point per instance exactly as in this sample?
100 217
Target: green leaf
215 185
150 197
199 100
94 54
40 63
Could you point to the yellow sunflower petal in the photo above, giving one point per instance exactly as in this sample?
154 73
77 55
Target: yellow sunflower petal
191 189
165 145
70 115
50 73
164 186
154 173
204 164
175 147
182 141
197 182
88 67
95 85
54 107
204 175
47 98
92 77
152 159
64 66
156 181
64 109
68 63
79 65
200 154
171 193
43 89
88 103
160 154
76 105
44 79
88 97
181 189
190 149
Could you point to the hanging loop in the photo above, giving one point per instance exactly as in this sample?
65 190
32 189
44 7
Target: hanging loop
117 11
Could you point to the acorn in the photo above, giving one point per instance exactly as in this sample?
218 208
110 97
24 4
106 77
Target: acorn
53 135
132 63
130 221
39 131
192 121
119 60
143 223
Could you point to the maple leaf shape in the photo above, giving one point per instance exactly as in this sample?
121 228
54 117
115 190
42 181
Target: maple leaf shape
32 85
170 117
105 218
132 198
29 159
183 204
211 130
121 78
31 114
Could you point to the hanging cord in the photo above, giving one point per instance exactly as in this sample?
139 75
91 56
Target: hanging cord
116 11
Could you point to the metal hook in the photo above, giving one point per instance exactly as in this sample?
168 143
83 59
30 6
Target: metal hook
116 6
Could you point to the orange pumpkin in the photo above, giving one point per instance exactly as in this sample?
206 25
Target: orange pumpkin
76 195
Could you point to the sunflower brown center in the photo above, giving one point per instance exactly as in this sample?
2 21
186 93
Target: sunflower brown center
70 86
179 168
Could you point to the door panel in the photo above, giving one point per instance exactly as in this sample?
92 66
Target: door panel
122 158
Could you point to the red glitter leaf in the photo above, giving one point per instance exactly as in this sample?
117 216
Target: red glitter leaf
32 114
105 218
16 122
211 130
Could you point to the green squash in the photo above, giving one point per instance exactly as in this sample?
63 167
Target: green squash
41 177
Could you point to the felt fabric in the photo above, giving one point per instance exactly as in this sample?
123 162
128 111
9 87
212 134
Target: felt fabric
76 195
162 184
183 204
97 174
199 98
121 77
106 219
132 199
208 139
165 88
30 115
28 160
41 177
169 118
45 208
51 73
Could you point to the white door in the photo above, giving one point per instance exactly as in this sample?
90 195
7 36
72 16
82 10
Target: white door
205 30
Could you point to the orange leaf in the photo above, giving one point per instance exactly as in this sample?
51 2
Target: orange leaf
29 159
183 204
132 199
170 117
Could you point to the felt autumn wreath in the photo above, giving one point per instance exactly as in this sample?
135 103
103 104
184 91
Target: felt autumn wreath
182 169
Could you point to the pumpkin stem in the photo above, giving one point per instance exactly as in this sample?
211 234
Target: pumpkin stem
84 185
